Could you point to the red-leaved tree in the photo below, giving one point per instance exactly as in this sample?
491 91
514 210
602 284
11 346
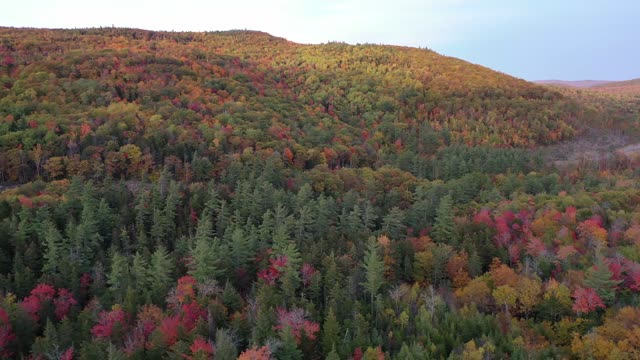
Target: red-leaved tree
108 321
63 303
6 335
295 319
586 301
201 347
263 353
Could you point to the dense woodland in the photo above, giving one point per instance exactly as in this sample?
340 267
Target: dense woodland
234 195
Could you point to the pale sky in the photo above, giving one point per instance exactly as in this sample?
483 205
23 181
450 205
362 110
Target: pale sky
533 39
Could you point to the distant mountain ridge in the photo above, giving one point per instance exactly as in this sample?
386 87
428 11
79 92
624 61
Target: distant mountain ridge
627 87
583 84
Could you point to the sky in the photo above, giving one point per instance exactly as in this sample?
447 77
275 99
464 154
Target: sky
529 39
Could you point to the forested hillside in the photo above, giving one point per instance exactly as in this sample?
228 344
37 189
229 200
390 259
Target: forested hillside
234 195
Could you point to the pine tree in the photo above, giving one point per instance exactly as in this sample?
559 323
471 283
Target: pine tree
143 211
205 255
160 270
303 197
53 249
374 269
240 249
289 349
392 223
263 327
87 242
333 354
213 198
170 210
353 226
304 223
443 229
326 214
105 214
223 216
140 272
290 279
225 346
48 344
369 217
330 332
158 227
23 277
600 278
118 277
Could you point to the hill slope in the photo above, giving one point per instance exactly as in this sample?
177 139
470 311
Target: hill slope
232 90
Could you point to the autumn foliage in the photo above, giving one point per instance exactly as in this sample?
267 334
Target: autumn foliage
228 195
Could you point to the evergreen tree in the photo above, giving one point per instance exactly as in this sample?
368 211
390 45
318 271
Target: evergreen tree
443 229
330 332
170 210
48 345
369 217
23 276
240 248
160 270
289 349
374 269
326 214
54 251
304 224
118 277
106 222
87 241
600 278
392 223
263 327
143 211
140 272
159 227
333 354
205 255
225 346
